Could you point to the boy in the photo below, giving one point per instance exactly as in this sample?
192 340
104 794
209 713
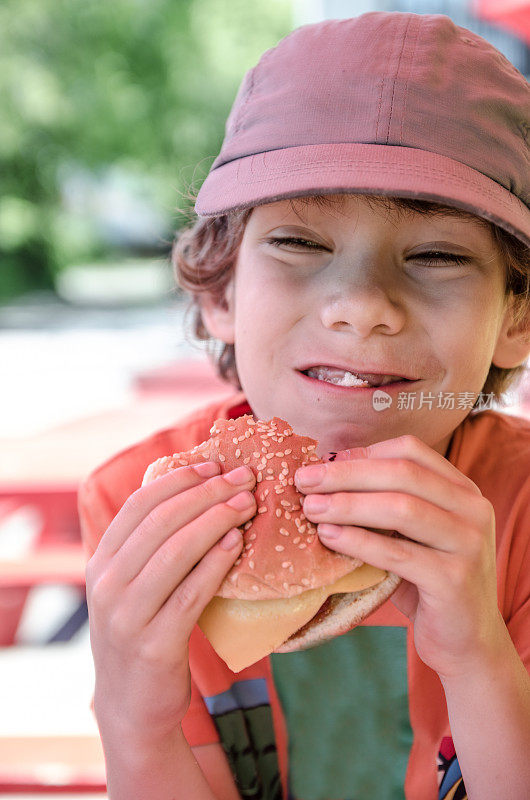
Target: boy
324 276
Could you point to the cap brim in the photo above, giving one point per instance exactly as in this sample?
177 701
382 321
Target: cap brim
361 169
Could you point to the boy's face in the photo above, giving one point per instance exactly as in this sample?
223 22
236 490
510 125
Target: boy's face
363 294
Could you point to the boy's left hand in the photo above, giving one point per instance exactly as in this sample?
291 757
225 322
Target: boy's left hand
447 559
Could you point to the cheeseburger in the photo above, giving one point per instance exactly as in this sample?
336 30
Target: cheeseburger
286 591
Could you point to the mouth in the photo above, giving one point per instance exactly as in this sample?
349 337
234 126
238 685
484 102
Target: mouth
351 379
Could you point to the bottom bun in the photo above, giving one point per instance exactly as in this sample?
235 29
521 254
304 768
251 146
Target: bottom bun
339 614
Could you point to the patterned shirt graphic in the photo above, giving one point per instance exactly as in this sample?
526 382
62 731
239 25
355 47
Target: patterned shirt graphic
451 783
242 716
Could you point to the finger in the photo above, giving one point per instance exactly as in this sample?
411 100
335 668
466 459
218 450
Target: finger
412 517
141 502
175 513
422 566
413 449
178 555
384 475
187 602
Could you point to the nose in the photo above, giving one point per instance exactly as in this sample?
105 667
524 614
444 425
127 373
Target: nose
364 305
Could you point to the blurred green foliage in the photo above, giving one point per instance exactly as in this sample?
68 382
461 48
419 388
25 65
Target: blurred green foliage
88 87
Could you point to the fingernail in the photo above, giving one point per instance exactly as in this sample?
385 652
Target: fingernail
207 470
230 540
328 531
238 476
241 501
315 503
309 476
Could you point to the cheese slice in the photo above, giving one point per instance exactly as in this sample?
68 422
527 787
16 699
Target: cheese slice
244 631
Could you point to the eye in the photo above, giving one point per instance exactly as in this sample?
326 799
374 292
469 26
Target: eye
434 257
294 242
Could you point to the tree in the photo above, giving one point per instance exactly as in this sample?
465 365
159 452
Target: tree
89 87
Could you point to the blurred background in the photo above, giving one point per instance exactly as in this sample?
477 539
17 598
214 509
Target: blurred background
111 114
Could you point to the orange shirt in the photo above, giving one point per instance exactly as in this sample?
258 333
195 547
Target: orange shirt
243 710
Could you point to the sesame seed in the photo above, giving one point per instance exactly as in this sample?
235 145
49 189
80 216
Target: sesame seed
278 512
256 455
279 548
269 478
287 515
280 455
285 503
247 525
269 455
270 471
306 582
252 537
251 564
183 462
248 546
285 465
246 460
231 428
296 539
262 509
238 452
279 490
301 529
301 546
237 563
233 578
284 532
260 476
256 588
288 452
290 481
221 457
286 564
251 421
304 449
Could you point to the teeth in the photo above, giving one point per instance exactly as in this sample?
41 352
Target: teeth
344 378
338 377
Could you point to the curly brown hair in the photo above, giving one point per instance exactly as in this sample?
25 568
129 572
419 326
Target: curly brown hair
205 251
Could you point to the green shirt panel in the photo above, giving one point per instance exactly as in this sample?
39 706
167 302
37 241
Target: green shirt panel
346 710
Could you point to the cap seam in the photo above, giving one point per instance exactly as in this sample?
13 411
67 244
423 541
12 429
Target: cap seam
411 62
249 92
394 79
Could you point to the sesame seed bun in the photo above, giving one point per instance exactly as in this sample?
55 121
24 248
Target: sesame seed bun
282 556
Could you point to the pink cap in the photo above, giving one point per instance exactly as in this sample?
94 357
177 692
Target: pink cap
388 103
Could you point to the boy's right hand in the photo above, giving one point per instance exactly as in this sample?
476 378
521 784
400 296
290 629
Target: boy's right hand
157 566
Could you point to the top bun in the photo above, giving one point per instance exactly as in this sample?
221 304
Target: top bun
282 555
